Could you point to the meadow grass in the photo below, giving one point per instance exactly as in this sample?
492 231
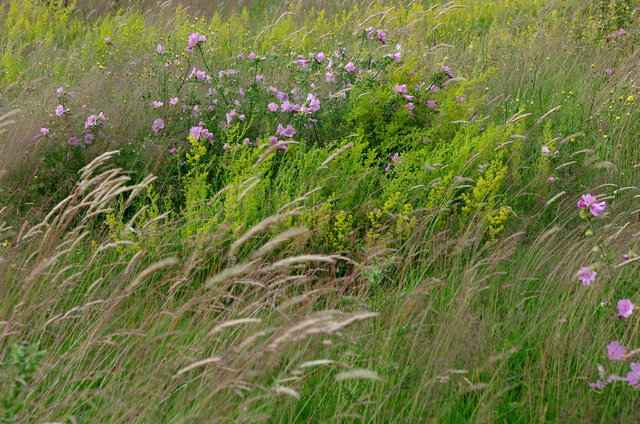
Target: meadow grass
333 211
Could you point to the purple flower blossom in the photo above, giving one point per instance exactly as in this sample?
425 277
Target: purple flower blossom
59 110
620 32
174 150
410 106
314 103
91 121
320 57
195 40
586 275
402 88
59 91
382 36
289 131
608 72
273 107
350 67
551 179
45 131
195 132
396 57
633 377
329 76
156 103
160 48
158 124
431 103
88 138
545 149
591 202
625 308
173 101
615 351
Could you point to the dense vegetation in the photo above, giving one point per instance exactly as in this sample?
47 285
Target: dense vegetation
319 211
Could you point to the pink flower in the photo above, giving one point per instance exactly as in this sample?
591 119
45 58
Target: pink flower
545 149
329 77
107 40
273 139
91 121
320 57
395 158
289 131
615 351
158 124
591 202
72 95
586 275
195 40
599 384
252 56
402 88
625 308
102 117
160 48
88 138
314 103
59 91
551 179
273 107
201 75
173 101
633 377
174 150
230 115
350 67
205 133
195 132
620 32
44 131
382 36
608 72
59 110
396 57
410 106
431 103
286 106
157 103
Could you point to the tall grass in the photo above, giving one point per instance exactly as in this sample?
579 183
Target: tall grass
383 264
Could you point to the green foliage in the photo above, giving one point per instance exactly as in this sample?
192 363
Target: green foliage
18 370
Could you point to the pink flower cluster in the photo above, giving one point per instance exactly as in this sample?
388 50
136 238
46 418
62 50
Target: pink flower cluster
195 40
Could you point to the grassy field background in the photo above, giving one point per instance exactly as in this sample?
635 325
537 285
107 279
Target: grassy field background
321 211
